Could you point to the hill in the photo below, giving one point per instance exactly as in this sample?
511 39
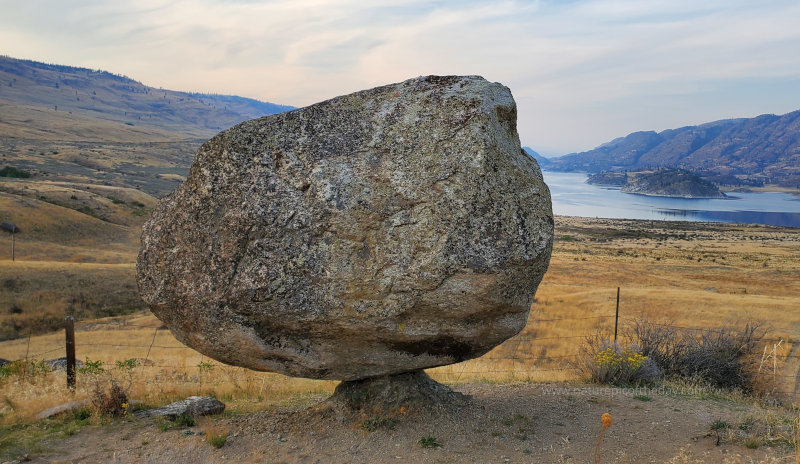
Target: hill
753 151
672 183
74 253
535 155
68 124
111 97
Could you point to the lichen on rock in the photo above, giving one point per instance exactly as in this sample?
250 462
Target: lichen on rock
386 231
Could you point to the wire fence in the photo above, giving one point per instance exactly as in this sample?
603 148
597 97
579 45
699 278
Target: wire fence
520 356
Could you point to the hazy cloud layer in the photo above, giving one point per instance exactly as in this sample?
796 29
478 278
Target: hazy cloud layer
582 71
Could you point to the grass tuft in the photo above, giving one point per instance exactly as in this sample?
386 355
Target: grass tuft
429 441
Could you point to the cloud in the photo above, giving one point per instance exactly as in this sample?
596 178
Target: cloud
583 71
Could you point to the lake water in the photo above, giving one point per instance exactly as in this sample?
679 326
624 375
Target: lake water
572 196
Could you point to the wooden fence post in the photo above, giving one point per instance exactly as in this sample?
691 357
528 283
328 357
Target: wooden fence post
69 326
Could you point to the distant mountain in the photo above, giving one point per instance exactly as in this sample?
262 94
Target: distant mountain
539 158
752 151
99 94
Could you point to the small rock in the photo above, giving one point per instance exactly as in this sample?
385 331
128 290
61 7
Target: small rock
194 406
61 408
144 362
60 364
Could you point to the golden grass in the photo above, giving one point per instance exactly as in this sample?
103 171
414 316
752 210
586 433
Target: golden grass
35 296
45 123
690 275
165 372
698 276
52 232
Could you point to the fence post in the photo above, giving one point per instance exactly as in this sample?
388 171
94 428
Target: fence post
797 457
616 319
69 326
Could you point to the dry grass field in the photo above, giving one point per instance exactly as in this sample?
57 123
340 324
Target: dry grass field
699 275
74 254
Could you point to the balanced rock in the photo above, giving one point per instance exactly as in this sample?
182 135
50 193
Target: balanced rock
385 231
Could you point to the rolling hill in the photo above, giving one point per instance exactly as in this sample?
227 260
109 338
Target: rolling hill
751 151
69 124
110 97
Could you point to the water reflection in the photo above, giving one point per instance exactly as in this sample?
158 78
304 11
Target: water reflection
747 217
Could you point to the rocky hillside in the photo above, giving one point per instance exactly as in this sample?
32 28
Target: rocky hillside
754 151
673 183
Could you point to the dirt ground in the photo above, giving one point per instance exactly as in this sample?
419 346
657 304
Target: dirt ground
533 423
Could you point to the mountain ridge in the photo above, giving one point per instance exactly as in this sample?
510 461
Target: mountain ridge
744 151
113 97
535 155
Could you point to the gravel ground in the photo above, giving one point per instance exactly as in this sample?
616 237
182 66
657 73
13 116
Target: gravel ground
532 423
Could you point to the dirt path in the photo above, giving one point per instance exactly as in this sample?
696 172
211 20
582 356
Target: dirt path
547 423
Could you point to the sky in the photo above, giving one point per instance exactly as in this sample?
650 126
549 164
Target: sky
582 72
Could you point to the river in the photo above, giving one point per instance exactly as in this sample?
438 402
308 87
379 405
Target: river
572 196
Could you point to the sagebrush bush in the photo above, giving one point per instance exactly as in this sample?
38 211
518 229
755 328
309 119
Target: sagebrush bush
611 363
719 357
111 400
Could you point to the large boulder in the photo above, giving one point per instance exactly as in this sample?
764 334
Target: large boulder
385 231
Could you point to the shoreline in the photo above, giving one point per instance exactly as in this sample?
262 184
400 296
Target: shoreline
764 189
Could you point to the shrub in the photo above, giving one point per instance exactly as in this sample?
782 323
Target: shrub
91 367
429 442
10 171
205 366
720 357
165 423
610 363
128 364
185 420
217 441
112 401
720 424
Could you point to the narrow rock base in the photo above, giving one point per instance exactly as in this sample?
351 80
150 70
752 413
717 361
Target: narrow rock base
389 397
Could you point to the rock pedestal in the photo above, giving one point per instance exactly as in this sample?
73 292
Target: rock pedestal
381 232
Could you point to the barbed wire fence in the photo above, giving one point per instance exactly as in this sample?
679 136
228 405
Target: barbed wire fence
514 359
